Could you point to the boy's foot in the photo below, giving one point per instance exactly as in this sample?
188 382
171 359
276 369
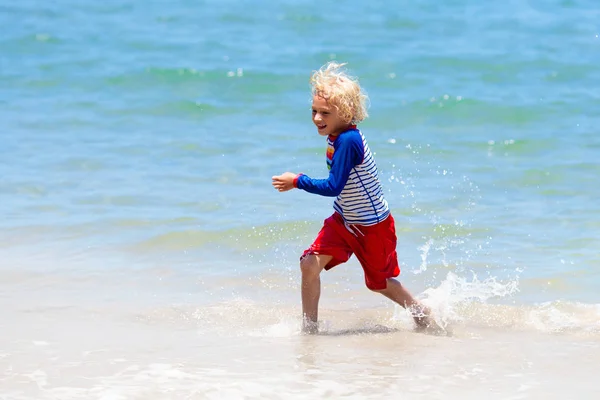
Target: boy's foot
424 321
310 327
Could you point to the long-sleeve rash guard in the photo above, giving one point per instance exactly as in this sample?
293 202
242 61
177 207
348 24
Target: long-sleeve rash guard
353 180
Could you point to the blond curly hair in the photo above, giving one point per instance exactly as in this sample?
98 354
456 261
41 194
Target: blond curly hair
343 91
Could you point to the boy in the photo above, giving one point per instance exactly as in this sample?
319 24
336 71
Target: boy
361 223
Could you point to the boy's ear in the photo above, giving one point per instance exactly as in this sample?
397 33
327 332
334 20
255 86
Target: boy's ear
353 114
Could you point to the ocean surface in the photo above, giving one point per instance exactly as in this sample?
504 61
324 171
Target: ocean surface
145 255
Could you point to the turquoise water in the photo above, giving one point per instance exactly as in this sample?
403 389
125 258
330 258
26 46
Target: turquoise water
138 141
162 125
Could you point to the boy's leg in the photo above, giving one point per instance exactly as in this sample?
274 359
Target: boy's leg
378 257
311 266
396 292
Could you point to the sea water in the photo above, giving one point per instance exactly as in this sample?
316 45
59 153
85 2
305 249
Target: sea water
145 255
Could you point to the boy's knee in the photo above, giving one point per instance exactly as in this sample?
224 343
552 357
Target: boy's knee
376 290
309 266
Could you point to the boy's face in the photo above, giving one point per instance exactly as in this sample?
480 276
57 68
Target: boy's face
326 118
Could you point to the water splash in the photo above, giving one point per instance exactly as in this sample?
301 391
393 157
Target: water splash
424 252
455 290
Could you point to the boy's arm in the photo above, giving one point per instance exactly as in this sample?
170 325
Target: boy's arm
349 152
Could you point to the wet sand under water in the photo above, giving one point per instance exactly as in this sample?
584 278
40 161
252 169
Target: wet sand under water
234 350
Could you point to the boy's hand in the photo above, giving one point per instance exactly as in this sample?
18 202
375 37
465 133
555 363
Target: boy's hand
284 182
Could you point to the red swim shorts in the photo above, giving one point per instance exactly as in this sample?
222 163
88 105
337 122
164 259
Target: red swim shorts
374 247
